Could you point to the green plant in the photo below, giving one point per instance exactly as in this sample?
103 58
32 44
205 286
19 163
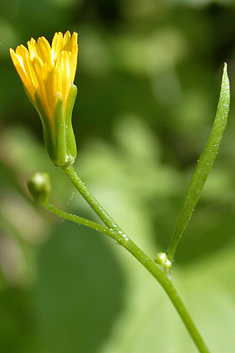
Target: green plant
47 74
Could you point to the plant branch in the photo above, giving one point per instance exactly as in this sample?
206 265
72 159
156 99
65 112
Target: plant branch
117 233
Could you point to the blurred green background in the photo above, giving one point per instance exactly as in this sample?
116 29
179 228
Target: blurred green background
148 80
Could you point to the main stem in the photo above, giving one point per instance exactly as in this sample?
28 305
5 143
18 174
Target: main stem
117 234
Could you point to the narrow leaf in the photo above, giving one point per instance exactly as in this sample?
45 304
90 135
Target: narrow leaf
204 165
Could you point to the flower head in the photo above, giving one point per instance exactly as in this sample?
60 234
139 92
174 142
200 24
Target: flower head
47 73
49 70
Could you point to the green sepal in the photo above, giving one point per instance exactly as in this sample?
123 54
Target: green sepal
60 133
65 139
68 120
57 130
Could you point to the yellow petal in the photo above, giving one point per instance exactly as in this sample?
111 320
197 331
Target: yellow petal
22 54
20 68
40 73
67 41
52 88
63 67
32 47
73 63
32 74
44 50
57 45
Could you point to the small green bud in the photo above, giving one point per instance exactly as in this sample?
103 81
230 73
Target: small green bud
162 259
40 187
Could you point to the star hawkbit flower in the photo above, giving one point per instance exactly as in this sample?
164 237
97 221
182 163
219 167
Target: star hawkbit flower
47 73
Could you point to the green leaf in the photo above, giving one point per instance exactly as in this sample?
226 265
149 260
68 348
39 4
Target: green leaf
204 165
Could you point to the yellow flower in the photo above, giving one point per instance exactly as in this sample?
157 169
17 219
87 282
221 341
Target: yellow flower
50 70
47 73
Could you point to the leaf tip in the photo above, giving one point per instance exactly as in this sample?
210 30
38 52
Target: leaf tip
225 79
225 86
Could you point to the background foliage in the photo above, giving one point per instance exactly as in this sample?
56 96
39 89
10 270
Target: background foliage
148 76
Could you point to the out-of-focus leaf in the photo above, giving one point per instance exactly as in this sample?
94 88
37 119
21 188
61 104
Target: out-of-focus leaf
79 291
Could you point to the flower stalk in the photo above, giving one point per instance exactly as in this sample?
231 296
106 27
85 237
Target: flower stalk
37 189
118 235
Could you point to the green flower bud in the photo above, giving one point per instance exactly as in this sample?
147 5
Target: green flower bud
162 259
39 187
